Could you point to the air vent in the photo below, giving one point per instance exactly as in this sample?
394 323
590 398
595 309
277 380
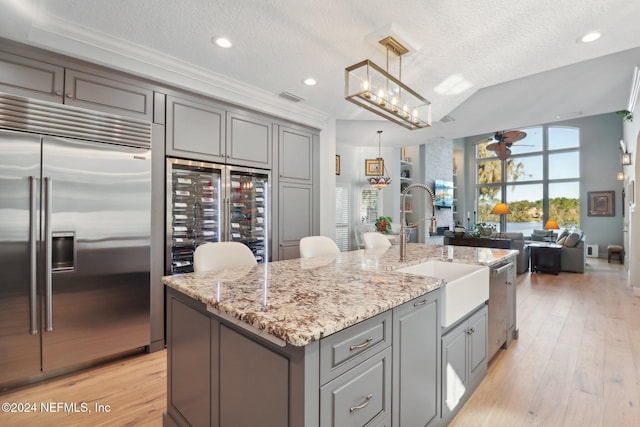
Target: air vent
447 119
36 116
290 96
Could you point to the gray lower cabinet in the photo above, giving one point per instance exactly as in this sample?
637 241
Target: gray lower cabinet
359 397
464 361
219 374
416 355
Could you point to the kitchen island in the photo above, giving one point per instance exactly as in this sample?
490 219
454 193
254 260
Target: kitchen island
309 342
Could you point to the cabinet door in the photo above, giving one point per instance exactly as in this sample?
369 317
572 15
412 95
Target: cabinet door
477 335
416 354
28 77
454 369
254 383
248 141
190 361
295 155
195 130
107 95
295 216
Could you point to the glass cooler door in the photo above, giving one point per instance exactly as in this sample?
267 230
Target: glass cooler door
248 208
193 211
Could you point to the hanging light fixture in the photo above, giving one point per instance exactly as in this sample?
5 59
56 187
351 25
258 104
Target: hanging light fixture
374 89
382 180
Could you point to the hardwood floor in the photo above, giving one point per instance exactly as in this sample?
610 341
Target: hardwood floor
576 363
577 359
135 389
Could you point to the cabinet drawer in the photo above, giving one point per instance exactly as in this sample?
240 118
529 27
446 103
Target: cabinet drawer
345 349
362 396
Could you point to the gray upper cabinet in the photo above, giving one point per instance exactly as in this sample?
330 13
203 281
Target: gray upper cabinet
296 155
248 140
107 95
30 78
101 91
195 130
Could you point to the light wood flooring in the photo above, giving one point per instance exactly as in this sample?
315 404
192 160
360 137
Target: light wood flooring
577 360
576 363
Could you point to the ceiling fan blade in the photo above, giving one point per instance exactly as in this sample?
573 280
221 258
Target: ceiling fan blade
484 141
493 146
504 154
513 136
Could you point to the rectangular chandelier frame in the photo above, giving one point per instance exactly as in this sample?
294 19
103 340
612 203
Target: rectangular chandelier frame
372 88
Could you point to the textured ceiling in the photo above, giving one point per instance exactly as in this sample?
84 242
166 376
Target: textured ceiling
519 60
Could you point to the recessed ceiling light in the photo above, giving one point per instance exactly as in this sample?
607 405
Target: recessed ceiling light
590 37
222 42
310 81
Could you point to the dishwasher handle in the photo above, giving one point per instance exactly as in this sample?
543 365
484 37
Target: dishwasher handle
501 268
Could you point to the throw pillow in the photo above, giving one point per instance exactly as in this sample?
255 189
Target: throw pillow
561 241
572 240
562 235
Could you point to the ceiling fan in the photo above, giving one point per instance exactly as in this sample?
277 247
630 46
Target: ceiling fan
502 141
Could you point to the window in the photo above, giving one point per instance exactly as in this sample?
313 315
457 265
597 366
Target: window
539 181
369 205
342 218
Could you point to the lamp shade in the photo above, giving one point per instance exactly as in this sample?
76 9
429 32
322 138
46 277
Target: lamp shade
551 224
500 209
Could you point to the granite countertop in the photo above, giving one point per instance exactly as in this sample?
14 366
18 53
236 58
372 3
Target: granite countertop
302 300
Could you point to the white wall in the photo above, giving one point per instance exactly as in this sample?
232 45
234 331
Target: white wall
631 131
352 160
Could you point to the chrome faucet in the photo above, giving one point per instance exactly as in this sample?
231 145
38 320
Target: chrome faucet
432 227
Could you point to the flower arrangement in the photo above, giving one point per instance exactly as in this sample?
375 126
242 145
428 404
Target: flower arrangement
383 224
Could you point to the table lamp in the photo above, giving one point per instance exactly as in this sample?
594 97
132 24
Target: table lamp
501 209
551 224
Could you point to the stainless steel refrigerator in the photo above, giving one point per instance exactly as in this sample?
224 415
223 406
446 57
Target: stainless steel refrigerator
74 247
208 202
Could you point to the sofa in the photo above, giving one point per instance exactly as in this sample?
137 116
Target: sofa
573 255
516 242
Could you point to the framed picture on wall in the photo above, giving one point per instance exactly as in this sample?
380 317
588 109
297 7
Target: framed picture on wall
337 164
373 167
602 203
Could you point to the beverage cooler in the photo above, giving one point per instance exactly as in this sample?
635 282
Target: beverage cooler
208 202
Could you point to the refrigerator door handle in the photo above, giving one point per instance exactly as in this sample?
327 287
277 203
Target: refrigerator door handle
47 233
33 238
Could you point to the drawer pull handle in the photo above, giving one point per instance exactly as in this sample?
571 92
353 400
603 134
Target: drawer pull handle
362 405
423 302
364 344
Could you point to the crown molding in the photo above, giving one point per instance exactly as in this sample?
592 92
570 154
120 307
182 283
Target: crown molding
56 34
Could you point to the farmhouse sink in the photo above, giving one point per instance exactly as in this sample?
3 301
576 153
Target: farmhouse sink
467 286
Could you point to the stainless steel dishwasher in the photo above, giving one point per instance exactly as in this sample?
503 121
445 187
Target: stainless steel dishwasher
498 305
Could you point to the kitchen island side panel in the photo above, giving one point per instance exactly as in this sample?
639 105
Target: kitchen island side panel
219 375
